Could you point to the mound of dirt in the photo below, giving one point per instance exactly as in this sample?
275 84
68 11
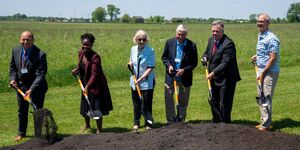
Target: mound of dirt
175 136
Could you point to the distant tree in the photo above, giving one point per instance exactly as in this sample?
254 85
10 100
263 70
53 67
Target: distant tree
113 11
99 14
126 18
137 19
134 19
159 19
278 20
177 20
252 18
19 16
293 14
150 20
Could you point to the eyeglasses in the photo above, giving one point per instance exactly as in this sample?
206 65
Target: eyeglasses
181 34
142 40
260 21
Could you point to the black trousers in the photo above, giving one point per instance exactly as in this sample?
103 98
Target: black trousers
23 108
222 97
142 106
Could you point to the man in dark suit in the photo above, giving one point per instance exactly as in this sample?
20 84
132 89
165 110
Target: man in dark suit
180 58
220 56
28 68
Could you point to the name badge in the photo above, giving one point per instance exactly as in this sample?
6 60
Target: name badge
177 60
24 70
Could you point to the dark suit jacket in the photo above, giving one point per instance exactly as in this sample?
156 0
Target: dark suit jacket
96 80
189 60
36 66
224 63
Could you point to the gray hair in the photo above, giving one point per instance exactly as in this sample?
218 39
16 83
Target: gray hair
140 34
182 28
218 23
268 18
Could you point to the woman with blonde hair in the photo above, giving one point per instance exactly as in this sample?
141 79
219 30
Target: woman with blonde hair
142 63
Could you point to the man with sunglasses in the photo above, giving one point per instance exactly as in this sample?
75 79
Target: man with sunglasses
180 58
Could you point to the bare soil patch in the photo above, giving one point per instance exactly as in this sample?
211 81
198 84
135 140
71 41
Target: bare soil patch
175 136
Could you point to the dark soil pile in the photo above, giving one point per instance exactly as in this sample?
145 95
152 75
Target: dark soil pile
175 136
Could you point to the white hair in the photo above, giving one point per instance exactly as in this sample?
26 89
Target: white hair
140 34
268 18
182 28
218 23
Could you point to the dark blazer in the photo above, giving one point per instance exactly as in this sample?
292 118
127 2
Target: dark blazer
96 80
224 63
36 66
189 60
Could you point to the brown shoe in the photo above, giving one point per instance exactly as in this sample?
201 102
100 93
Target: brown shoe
18 138
262 128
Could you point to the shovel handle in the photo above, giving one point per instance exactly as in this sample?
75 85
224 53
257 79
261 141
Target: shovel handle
256 71
137 86
21 92
208 81
175 90
81 86
134 80
26 98
130 69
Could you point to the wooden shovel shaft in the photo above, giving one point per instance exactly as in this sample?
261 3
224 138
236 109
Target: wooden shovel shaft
134 80
82 88
26 98
137 87
21 92
208 81
256 70
175 91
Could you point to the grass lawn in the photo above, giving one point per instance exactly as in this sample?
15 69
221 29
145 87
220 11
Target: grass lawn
113 42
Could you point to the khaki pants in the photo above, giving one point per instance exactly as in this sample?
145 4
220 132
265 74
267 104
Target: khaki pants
269 84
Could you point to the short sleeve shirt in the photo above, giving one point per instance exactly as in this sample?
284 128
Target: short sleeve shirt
142 60
267 43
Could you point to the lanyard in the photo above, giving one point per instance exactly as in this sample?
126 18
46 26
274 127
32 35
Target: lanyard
138 65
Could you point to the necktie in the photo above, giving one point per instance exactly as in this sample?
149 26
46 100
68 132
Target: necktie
214 49
24 59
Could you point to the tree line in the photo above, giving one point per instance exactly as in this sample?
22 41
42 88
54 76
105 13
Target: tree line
100 15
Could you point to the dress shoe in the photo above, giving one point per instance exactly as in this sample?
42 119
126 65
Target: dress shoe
262 128
18 138
135 127
148 128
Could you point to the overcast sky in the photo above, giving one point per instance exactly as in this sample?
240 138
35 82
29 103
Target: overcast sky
228 9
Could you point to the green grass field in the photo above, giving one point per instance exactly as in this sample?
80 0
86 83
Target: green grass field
113 42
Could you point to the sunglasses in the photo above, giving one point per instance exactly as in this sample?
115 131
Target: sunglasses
142 40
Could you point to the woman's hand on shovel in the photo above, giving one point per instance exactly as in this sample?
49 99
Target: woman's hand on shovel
86 90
